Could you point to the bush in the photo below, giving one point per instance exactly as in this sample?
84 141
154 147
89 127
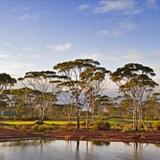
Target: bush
42 128
101 125
157 125
23 128
127 127
39 122
67 126
83 124
35 127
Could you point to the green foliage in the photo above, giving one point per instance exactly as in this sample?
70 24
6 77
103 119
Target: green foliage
43 127
101 125
68 126
6 79
135 81
157 125
83 123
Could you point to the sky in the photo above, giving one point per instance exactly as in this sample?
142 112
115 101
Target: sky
37 34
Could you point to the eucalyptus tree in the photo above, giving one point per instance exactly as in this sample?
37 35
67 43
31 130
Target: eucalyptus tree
41 81
125 107
67 100
135 81
71 72
102 104
23 101
6 82
152 106
94 81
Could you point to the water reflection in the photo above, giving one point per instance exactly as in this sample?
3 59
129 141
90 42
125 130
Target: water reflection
99 143
24 143
77 150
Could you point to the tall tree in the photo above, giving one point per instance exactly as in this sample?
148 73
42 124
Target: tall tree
6 82
94 80
41 81
152 106
135 81
23 101
71 71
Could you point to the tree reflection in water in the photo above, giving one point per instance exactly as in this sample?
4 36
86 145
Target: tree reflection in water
42 149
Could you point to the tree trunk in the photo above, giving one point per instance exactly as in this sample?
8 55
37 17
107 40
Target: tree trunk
135 126
87 119
78 124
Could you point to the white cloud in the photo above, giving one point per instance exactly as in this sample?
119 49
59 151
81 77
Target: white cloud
84 7
28 16
95 55
21 9
121 28
127 26
115 57
127 6
104 32
18 64
112 33
60 47
3 56
102 57
132 56
15 65
123 7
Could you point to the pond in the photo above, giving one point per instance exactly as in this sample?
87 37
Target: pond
77 150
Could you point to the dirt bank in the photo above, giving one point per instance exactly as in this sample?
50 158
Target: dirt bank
147 137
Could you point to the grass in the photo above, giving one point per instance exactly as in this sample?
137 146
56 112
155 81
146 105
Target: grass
17 122
59 122
117 121
13 122
112 121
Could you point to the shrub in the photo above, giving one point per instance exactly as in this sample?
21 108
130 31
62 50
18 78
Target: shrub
42 128
39 122
101 125
127 127
83 124
35 127
23 128
157 125
67 126
17 126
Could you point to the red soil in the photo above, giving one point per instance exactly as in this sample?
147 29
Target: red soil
148 137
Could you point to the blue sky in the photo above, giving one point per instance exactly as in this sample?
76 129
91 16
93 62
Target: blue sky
36 34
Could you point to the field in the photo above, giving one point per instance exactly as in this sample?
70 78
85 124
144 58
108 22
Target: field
112 121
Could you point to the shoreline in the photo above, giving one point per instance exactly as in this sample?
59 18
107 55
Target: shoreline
106 136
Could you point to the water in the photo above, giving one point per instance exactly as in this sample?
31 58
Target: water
77 150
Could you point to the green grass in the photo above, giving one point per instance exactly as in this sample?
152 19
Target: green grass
16 122
117 121
112 121
59 122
